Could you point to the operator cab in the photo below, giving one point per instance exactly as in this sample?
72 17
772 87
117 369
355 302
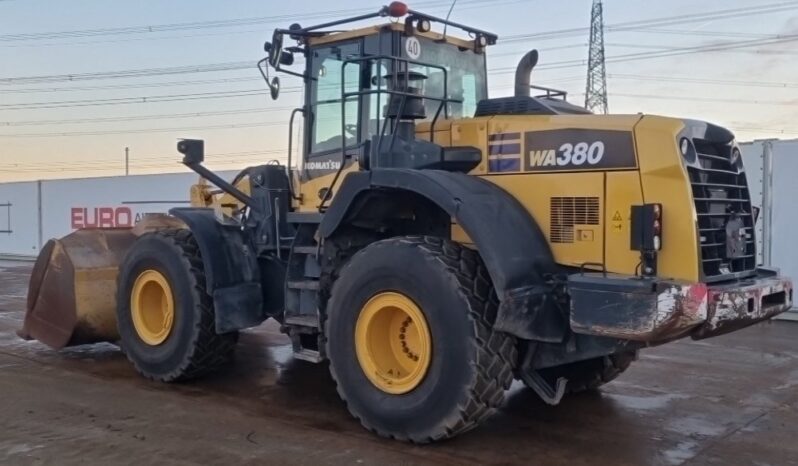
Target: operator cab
368 92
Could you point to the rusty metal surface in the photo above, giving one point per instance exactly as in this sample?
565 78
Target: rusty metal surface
733 307
731 400
632 309
625 308
72 291
154 222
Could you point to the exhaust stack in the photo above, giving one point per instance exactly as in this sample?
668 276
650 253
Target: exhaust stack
523 74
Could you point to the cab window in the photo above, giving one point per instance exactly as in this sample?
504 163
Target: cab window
327 69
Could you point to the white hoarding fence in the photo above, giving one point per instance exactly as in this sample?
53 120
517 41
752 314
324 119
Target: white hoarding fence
31 213
19 226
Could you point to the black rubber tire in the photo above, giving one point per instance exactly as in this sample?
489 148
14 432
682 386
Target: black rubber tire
592 373
193 348
471 366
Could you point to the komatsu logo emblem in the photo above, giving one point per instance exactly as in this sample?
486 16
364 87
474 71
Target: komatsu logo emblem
323 165
568 154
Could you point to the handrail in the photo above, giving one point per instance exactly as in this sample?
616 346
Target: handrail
346 96
290 150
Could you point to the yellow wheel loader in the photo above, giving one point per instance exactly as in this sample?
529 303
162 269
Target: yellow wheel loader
433 243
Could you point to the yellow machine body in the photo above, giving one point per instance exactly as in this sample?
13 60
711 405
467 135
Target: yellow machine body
605 195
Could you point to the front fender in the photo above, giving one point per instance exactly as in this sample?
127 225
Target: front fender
231 269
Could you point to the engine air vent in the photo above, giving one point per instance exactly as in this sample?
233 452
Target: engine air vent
567 212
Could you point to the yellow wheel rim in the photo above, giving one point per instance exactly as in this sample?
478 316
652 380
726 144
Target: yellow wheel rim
393 343
152 307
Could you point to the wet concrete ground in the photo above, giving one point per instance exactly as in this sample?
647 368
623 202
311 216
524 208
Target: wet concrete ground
729 400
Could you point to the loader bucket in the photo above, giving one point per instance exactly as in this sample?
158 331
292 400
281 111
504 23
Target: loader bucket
72 291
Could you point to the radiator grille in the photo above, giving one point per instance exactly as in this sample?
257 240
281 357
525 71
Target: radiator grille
720 190
566 212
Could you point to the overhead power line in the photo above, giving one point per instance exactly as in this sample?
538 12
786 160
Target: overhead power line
637 25
134 73
171 116
146 99
227 23
545 66
147 130
134 100
710 81
109 87
231 66
91 163
285 124
665 53
713 100
701 32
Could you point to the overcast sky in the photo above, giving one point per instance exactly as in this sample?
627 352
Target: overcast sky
738 67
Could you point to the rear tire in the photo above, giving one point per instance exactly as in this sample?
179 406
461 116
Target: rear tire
469 365
188 347
590 374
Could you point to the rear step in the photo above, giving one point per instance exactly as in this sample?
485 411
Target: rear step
303 321
304 285
301 318
308 355
314 250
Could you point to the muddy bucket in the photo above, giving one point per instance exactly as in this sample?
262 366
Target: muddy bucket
72 291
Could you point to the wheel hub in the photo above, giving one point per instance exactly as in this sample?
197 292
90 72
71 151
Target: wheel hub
152 307
393 342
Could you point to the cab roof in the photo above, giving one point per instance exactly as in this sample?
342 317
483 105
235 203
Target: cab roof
337 36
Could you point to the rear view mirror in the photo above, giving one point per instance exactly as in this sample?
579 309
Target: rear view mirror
274 88
276 49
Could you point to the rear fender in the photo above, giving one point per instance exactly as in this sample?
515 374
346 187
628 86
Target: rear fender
231 269
513 247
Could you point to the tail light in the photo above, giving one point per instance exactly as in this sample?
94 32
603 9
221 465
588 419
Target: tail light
647 227
646 234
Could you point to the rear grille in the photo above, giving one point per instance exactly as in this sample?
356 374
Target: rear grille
720 190
567 212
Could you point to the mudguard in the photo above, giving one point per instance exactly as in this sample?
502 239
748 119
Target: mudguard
231 269
513 247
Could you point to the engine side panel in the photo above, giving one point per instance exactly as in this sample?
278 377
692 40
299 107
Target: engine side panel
564 192
579 175
622 190
568 207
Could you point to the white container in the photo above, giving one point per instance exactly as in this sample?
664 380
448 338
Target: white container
772 171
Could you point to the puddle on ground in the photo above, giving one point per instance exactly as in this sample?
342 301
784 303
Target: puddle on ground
695 426
645 403
680 453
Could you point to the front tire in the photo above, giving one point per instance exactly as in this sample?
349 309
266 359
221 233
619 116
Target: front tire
165 315
411 342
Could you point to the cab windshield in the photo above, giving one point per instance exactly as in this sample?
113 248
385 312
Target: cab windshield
465 72
467 81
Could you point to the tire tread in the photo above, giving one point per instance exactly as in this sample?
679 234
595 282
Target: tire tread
209 350
495 351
